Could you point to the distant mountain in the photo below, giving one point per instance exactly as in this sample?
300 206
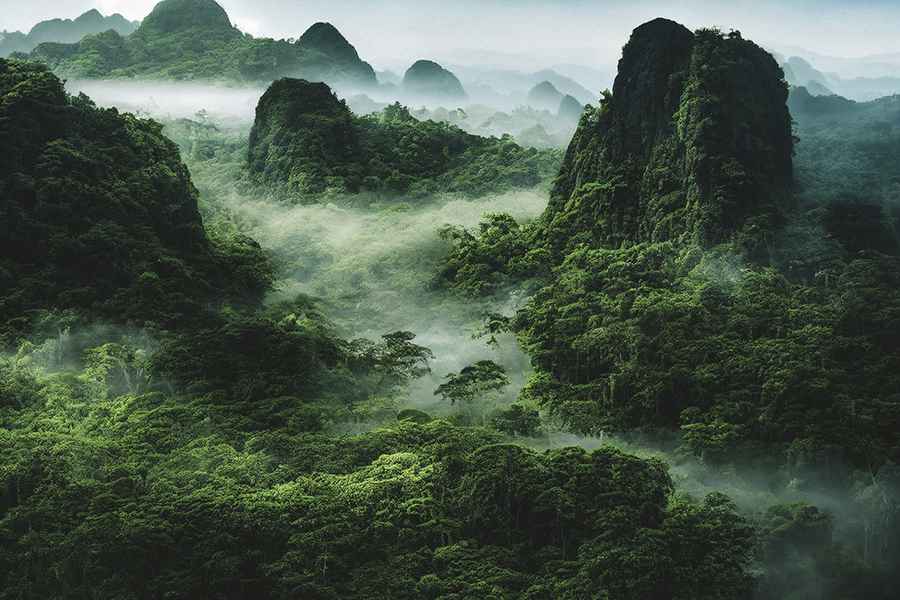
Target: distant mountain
570 109
870 67
864 89
567 85
802 102
64 31
817 89
195 40
545 96
99 213
429 80
326 40
518 83
805 72
800 72
591 77
389 77
194 16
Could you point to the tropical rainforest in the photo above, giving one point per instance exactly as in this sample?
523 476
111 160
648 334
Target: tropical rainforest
305 351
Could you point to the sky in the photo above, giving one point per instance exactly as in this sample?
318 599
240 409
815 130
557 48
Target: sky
390 33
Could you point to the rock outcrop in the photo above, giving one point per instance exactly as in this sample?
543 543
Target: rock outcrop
693 142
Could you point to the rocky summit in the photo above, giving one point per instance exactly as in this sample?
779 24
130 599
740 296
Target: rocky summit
694 140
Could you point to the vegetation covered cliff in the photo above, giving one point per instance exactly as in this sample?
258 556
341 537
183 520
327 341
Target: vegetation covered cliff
694 143
99 214
307 142
195 40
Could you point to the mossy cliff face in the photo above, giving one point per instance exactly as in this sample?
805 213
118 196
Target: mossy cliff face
693 143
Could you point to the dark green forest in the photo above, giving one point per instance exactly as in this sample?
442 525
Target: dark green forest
223 348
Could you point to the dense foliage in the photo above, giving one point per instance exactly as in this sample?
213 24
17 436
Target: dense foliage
164 433
99 215
308 143
846 169
135 492
194 39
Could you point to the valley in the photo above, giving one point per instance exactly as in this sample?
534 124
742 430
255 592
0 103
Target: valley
275 323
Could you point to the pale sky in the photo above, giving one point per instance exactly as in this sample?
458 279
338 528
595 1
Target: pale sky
390 32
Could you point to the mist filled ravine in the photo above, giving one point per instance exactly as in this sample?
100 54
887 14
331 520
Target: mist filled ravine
318 301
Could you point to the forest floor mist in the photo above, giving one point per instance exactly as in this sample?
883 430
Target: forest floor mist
373 270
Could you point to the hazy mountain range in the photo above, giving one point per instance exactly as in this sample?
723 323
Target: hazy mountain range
64 30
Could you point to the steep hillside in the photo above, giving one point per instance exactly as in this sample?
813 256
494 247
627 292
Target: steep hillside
307 143
694 141
195 40
99 214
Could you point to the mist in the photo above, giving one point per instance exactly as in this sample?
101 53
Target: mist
171 100
373 268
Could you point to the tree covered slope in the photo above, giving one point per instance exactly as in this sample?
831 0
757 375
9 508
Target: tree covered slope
99 213
307 142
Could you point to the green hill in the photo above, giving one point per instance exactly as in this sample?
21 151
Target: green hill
307 142
161 439
430 81
99 214
678 150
